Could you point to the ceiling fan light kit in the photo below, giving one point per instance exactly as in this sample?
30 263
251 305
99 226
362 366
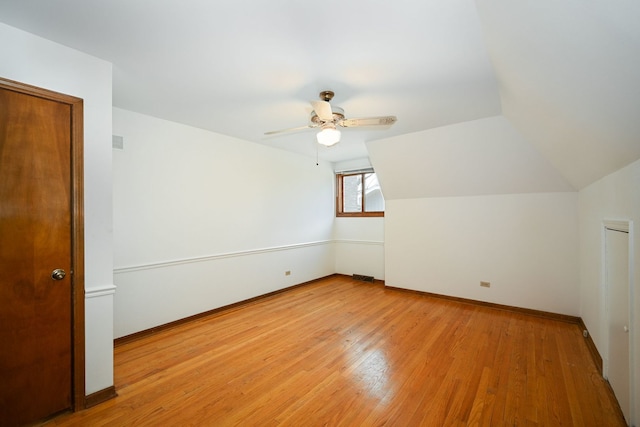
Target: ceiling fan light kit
328 136
328 118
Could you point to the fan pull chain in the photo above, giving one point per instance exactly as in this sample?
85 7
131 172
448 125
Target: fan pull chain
317 164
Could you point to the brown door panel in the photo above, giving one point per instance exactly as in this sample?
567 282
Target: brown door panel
36 235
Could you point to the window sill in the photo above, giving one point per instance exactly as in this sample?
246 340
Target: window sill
359 214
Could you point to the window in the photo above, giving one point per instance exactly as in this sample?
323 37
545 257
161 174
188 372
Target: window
359 194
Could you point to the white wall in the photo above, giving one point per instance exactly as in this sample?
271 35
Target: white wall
359 246
475 202
614 197
525 245
202 220
39 62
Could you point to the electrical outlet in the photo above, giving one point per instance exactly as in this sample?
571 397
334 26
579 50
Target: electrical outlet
485 284
585 333
287 273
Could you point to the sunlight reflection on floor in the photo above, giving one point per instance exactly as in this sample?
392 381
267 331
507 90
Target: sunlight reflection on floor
372 375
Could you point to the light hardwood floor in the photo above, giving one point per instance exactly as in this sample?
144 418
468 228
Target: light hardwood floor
338 352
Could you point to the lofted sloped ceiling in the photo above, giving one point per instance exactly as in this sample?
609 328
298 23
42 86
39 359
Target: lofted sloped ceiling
480 157
551 87
569 79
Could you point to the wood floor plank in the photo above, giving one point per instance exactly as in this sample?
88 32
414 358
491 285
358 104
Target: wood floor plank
338 352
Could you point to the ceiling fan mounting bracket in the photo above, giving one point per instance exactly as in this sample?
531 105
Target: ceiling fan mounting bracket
326 95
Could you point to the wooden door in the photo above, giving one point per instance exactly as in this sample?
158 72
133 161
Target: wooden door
40 232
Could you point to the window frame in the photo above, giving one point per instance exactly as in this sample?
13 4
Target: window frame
340 199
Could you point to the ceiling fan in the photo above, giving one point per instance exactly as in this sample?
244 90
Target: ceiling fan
329 118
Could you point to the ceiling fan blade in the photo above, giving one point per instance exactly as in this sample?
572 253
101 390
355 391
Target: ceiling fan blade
383 121
323 110
290 130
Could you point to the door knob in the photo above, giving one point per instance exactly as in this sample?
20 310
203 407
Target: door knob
58 274
626 328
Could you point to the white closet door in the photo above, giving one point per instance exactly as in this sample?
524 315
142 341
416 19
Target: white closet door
617 265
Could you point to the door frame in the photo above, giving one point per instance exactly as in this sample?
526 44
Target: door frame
626 226
77 231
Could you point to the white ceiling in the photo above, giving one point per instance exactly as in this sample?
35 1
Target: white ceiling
564 73
569 73
242 68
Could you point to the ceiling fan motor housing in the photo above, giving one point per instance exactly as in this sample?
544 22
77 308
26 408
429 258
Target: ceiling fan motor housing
338 114
331 117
